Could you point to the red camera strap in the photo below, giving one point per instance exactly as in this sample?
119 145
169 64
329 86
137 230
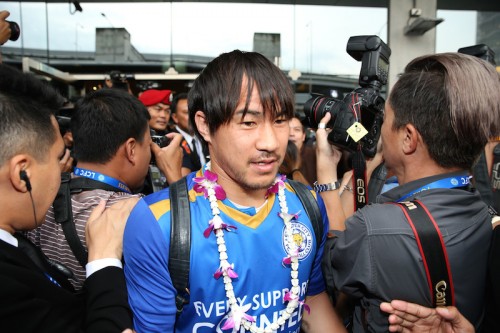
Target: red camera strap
433 251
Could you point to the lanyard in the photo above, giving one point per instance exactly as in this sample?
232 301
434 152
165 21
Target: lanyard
450 182
102 178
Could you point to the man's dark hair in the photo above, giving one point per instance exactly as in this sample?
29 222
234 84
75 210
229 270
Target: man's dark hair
27 105
217 90
103 121
177 98
453 101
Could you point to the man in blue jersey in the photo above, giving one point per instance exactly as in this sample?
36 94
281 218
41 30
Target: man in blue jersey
254 263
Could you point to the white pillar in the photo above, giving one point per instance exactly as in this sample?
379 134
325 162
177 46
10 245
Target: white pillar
405 47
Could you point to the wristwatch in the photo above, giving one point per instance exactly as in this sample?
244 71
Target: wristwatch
326 187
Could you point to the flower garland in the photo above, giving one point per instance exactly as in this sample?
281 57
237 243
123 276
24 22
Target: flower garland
238 316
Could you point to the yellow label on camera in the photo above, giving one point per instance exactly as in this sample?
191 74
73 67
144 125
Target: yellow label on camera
357 131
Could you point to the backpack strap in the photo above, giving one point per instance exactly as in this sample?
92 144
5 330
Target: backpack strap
63 214
311 207
180 242
433 251
63 211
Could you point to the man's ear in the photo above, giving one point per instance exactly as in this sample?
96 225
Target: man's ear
201 124
411 139
17 164
174 117
129 148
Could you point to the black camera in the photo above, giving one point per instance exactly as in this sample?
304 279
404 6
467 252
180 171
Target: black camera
157 179
481 51
160 140
15 31
117 76
357 119
119 80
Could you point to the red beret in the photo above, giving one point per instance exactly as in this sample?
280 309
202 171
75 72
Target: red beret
153 96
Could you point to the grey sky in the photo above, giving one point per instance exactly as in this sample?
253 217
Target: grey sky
317 43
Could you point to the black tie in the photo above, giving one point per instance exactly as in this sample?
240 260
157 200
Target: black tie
196 158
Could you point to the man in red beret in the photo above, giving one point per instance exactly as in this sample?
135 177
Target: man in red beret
158 104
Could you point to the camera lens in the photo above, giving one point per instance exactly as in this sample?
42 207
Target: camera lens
15 31
316 108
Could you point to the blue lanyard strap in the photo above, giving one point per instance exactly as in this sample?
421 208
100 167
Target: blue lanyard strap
450 182
102 178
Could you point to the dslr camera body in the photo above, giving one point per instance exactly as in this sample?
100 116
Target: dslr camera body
356 120
120 80
157 179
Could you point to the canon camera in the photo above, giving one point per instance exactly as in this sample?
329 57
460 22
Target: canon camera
356 120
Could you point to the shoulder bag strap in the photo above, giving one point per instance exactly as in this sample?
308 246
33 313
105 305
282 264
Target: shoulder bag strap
180 241
63 214
311 207
433 251
63 211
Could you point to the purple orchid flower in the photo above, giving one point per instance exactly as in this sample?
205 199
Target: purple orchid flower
229 269
280 182
209 179
215 224
238 313
294 254
288 217
290 297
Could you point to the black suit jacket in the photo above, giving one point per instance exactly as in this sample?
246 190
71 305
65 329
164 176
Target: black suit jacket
31 302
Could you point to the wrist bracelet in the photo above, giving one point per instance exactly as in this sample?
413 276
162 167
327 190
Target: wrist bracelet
294 170
326 187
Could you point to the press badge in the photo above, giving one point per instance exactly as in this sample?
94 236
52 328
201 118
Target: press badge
357 131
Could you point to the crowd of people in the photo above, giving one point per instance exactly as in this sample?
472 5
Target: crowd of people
255 224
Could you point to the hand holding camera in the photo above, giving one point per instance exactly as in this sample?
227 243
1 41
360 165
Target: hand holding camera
167 155
8 30
362 109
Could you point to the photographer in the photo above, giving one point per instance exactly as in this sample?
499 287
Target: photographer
118 80
434 129
112 146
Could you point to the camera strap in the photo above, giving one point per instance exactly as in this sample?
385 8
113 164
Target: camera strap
359 180
432 250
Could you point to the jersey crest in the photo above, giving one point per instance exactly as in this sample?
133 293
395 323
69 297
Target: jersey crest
302 237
